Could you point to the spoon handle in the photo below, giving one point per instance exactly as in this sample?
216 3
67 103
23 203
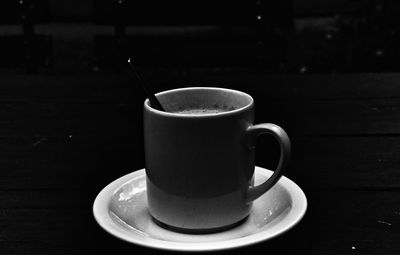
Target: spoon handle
153 99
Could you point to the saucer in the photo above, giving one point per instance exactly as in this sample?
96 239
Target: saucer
121 209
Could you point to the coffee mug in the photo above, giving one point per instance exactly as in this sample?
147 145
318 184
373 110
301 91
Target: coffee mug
199 157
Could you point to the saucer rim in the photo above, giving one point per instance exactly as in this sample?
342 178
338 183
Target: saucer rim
102 216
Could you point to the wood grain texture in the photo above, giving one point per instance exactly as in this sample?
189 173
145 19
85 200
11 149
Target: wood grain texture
62 139
335 222
101 88
355 163
58 132
339 163
315 86
67 162
298 117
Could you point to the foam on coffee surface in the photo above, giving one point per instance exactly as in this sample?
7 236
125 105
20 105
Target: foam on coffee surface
200 111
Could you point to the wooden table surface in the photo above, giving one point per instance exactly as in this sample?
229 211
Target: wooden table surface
63 138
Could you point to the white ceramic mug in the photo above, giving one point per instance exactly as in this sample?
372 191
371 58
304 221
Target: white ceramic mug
199 157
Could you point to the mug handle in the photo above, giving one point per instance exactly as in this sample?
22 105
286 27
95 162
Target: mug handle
268 128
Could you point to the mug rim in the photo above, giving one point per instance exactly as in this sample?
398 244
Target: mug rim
219 114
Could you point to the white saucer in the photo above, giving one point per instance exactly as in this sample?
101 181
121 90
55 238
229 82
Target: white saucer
120 209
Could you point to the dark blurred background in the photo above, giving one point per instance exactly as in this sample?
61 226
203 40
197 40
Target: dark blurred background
179 37
71 111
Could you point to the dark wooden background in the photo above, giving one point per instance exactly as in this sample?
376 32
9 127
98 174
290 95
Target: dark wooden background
288 36
71 113
59 148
